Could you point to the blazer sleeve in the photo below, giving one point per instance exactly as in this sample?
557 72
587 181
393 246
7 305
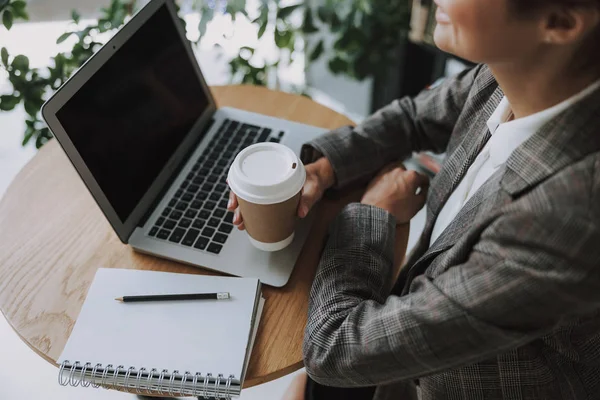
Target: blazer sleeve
396 131
524 276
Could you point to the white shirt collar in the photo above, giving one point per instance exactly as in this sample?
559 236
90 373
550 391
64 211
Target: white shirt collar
507 136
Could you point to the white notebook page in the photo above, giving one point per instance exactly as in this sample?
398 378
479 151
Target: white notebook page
205 336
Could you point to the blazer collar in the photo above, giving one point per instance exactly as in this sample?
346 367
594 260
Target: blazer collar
568 137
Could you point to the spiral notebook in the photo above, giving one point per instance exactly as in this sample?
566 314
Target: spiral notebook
172 348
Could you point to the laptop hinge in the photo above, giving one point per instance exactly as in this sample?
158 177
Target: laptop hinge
175 173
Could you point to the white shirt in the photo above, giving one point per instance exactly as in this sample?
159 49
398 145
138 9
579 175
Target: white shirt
506 137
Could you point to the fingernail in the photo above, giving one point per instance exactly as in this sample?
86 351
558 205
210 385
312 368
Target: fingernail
304 211
229 203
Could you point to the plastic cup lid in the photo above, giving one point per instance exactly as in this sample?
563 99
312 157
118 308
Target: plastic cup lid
266 173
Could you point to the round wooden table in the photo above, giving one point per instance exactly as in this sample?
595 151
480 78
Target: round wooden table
53 238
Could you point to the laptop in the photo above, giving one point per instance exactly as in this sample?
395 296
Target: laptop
140 126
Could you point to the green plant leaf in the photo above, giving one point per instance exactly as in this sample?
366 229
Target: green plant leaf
308 25
285 12
338 65
325 14
30 108
3 3
7 19
75 16
21 63
18 9
283 38
8 102
263 27
207 16
318 51
29 132
4 56
63 37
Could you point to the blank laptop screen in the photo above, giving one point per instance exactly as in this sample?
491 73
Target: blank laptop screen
130 117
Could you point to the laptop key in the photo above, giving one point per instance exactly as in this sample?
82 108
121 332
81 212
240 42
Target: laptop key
178 193
208 187
213 178
190 238
160 221
214 197
223 163
190 176
220 238
181 206
223 204
166 212
208 232
201 243
187 197
185 223
176 215
153 231
264 135
219 213
228 217
220 188
185 184
198 224
172 203
215 248
204 214
226 228
191 214
177 235
196 167
209 205
193 188
196 204
163 234
199 180
274 140
213 222
218 171
209 164
202 196
170 224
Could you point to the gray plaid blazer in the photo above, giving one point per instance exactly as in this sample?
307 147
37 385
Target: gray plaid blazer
506 303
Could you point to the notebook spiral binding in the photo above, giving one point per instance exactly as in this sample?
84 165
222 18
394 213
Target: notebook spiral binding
163 383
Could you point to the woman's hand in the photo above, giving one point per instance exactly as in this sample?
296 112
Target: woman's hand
319 178
400 192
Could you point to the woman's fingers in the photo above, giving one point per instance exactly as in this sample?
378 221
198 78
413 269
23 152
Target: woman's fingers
311 193
232 204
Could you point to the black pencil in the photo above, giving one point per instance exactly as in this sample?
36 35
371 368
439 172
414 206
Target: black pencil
172 297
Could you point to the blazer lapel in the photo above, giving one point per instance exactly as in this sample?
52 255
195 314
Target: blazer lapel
564 140
457 164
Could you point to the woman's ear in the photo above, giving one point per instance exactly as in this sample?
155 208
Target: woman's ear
569 25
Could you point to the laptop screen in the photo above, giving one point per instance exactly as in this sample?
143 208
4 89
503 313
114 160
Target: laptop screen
129 118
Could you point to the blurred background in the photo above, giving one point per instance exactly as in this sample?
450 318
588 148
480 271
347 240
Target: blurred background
353 56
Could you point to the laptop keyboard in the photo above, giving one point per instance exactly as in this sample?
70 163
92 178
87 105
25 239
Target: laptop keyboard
197 215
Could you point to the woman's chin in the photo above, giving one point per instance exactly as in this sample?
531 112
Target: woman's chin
442 37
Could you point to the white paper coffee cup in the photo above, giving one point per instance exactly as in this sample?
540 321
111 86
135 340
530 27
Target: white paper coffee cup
267 179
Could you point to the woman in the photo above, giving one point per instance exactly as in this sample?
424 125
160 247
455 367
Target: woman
501 296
